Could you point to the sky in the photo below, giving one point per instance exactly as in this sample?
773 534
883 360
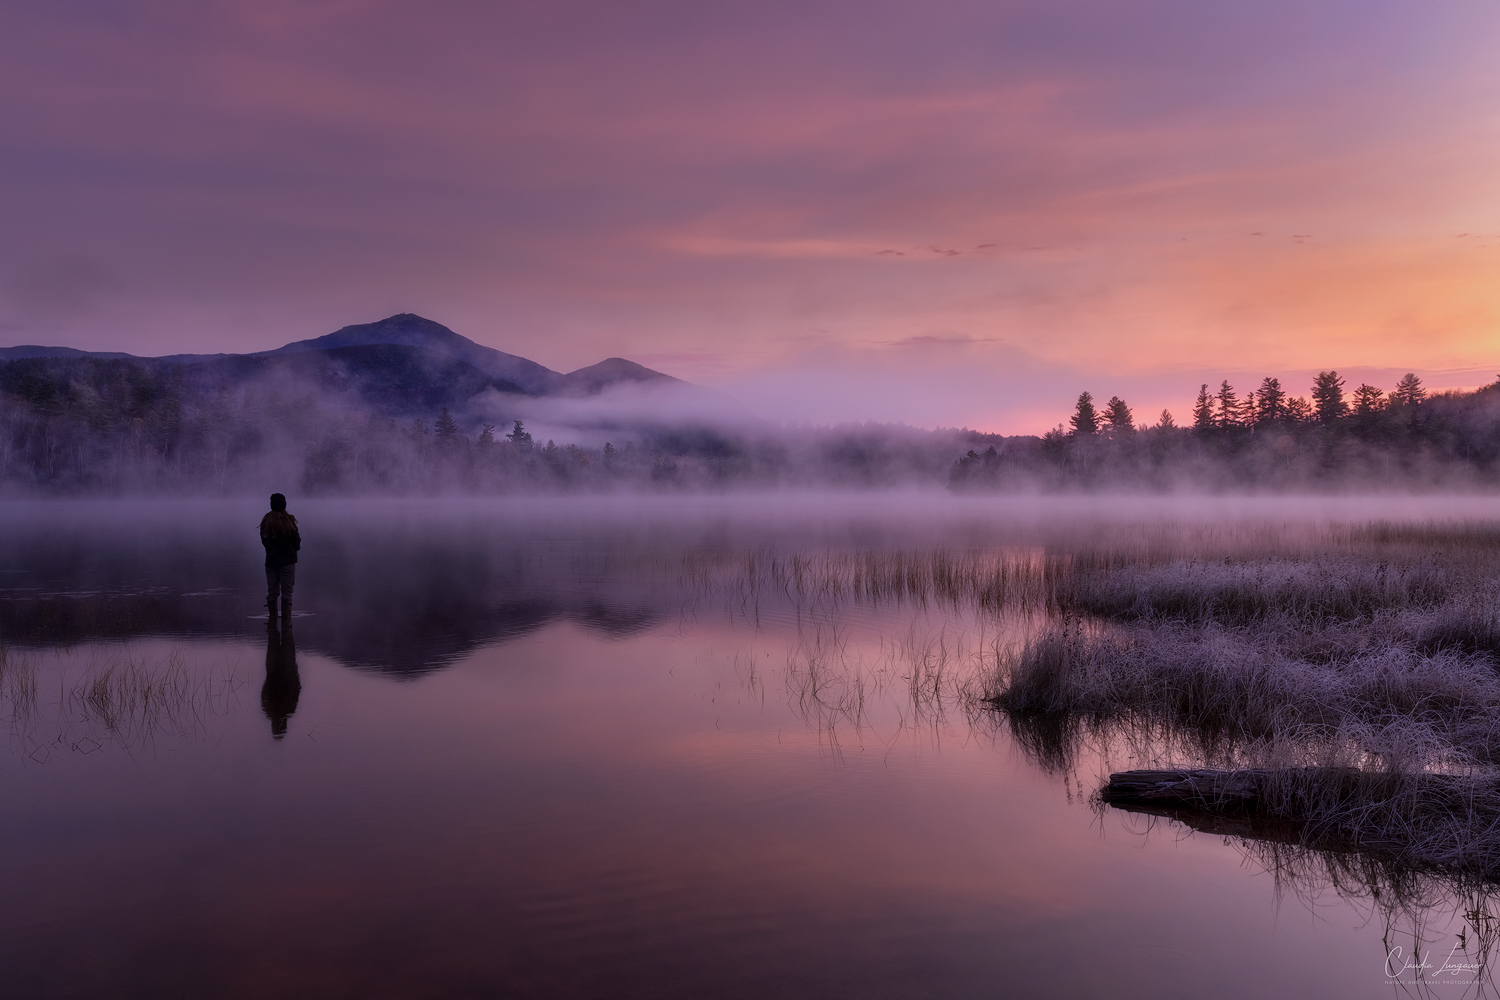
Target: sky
945 213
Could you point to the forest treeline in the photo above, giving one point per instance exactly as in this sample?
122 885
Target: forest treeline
93 426
1367 438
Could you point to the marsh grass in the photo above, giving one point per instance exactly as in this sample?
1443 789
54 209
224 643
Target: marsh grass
1366 688
114 697
1337 588
134 698
906 684
18 686
1357 664
1267 684
1002 579
1230 573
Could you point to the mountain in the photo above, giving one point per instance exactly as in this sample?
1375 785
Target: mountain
399 365
613 371
33 351
395 380
415 331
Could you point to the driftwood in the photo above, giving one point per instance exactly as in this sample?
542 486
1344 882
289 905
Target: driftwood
1229 803
1199 789
1224 803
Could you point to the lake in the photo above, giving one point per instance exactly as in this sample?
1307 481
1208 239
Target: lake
665 747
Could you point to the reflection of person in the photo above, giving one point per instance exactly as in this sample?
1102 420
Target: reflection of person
278 533
278 696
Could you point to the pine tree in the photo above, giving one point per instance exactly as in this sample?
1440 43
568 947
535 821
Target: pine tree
446 426
1408 391
519 437
1368 401
1054 443
1084 419
487 436
1249 410
1203 410
1118 416
1270 401
1328 397
1229 405
1298 410
1166 423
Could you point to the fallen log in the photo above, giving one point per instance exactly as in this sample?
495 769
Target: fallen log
1193 789
1243 803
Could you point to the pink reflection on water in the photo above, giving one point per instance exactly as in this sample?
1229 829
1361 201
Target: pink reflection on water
570 814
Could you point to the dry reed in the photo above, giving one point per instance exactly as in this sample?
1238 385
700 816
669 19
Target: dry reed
117 698
1360 678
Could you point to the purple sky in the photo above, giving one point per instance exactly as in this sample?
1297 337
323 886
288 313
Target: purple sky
942 213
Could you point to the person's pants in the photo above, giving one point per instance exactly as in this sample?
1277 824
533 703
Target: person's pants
279 581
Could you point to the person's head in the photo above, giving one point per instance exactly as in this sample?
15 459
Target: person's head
278 502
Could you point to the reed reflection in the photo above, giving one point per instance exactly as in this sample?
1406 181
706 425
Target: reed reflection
283 686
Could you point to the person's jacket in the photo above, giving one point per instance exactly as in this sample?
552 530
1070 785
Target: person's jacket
282 550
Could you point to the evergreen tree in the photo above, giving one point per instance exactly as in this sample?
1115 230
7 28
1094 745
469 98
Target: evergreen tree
1408 391
1229 405
1118 416
519 437
1328 397
1203 410
1055 443
1270 401
1084 419
1298 410
487 436
1249 410
446 426
1368 401
1166 423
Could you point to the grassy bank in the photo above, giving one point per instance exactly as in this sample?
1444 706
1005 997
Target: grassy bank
1362 673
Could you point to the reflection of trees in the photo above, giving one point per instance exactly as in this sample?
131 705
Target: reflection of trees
385 598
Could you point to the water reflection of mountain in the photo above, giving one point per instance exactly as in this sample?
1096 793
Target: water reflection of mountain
411 644
378 635
405 604
405 588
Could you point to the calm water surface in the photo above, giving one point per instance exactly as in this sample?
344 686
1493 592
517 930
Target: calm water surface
566 749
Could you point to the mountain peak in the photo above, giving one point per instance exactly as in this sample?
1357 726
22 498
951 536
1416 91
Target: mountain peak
402 328
610 371
411 330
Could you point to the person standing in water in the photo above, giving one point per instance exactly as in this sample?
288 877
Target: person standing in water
278 533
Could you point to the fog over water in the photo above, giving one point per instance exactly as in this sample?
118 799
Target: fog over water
628 746
407 585
407 407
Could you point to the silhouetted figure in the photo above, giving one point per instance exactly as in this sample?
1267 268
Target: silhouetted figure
278 533
278 696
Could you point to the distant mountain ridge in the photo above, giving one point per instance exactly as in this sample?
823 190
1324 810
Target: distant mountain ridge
436 348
